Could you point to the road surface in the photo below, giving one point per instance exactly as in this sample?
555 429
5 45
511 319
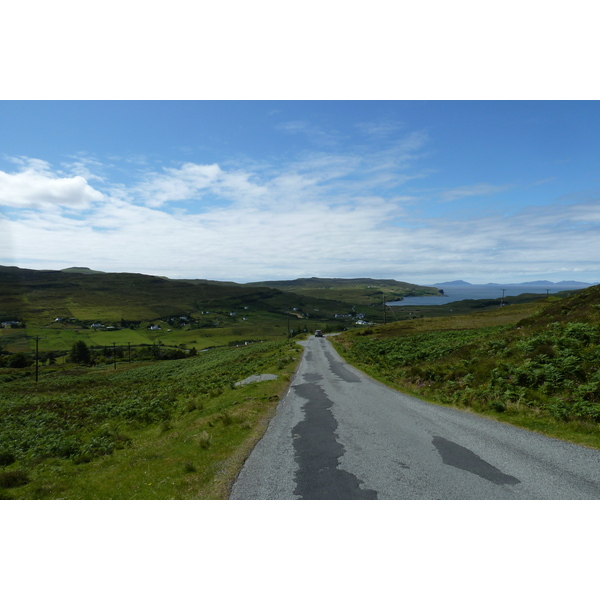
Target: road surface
340 435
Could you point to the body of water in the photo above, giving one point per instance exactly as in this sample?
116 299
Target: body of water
454 293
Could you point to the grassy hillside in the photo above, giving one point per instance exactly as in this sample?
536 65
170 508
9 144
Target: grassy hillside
363 291
173 430
44 295
62 306
535 365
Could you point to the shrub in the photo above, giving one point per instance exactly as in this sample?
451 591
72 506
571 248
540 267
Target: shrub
559 409
227 418
13 479
204 439
6 458
189 467
80 353
18 361
498 405
193 404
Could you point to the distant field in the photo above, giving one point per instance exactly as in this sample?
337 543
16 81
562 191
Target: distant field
14 340
61 338
111 313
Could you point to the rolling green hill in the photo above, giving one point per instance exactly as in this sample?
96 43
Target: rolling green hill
42 296
62 307
363 291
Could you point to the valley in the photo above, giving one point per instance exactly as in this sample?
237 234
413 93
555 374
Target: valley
154 405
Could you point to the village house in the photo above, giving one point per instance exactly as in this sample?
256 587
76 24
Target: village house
9 324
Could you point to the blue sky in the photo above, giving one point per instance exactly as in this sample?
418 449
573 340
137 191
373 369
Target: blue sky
420 191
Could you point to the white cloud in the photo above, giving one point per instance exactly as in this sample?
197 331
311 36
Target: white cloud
586 213
177 184
31 164
36 186
81 165
321 216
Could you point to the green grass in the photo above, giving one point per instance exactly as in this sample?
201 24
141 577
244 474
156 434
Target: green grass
38 298
177 429
534 365
259 326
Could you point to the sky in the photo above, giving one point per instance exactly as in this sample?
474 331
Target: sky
243 190
419 191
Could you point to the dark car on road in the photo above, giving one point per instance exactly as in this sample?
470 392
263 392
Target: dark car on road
318 333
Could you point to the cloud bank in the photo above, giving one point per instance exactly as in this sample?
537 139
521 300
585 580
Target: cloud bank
329 215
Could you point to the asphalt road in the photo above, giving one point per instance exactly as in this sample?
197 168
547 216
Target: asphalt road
340 435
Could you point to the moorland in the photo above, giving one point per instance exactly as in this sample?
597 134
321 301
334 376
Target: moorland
534 364
103 309
140 386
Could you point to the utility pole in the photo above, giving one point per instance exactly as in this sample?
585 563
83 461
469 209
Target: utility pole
384 311
547 292
502 303
37 339
115 355
37 368
129 351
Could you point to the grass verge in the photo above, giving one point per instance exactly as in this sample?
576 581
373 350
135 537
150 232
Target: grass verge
535 367
177 430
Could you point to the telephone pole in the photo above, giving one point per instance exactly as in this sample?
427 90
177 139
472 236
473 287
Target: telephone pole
37 368
37 339
115 355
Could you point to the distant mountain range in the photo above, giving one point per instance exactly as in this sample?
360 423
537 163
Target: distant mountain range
321 283
537 283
